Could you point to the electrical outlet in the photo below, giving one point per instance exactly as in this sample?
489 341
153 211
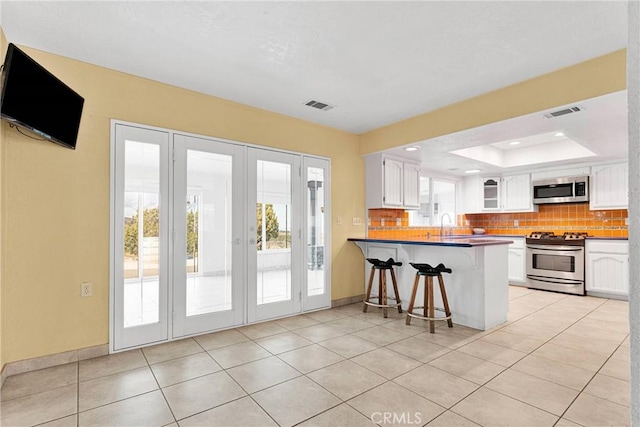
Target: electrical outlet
357 220
467 222
86 289
516 222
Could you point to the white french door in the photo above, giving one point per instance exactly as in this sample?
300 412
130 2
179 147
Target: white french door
208 234
274 228
140 237
208 229
317 214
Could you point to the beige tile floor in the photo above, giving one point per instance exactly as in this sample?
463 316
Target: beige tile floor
560 360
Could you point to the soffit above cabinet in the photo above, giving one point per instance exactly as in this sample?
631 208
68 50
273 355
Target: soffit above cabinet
596 133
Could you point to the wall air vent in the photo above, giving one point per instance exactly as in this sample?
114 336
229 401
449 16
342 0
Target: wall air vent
563 112
319 105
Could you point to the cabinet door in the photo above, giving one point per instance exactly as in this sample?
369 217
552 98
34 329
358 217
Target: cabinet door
471 195
516 193
392 178
608 272
411 187
516 265
609 187
491 194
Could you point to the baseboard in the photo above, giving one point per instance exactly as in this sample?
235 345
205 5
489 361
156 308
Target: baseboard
346 301
22 366
3 375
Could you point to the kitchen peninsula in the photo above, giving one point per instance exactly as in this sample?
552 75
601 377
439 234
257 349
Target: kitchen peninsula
477 289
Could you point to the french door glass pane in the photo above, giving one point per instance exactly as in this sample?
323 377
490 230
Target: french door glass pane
209 226
273 235
141 233
315 231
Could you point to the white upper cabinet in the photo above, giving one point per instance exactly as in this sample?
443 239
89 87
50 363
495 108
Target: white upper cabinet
609 187
516 193
495 194
491 194
471 195
392 183
411 185
392 177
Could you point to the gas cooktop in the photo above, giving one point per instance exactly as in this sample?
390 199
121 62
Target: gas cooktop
549 237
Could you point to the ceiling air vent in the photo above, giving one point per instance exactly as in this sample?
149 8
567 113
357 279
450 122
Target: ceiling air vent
563 112
319 105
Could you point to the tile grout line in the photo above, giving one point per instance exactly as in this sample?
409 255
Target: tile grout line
159 388
78 396
589 382
546 342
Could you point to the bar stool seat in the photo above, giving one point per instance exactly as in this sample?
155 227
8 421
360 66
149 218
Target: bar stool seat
382 297
428 309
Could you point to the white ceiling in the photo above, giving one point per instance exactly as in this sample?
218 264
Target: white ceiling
377 62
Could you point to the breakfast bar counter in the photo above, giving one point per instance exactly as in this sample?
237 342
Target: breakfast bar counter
477 289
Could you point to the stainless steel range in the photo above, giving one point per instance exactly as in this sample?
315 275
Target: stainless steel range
556 263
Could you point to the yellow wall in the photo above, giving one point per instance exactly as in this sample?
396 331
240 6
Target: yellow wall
596 77
3 49
57 200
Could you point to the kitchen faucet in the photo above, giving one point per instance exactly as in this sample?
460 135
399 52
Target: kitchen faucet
442 221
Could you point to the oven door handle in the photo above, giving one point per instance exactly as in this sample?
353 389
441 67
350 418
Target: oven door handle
554 280
556 248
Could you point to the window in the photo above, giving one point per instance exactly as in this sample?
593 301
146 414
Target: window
437 203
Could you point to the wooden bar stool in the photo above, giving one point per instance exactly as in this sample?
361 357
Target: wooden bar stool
428 272
382 298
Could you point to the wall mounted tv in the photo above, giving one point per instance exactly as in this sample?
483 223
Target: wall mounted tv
36 100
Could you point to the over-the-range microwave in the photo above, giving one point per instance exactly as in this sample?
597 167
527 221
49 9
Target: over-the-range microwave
561 190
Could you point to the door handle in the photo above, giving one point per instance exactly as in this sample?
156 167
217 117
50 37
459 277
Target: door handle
252 241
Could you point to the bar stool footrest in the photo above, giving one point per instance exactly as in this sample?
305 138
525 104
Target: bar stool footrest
419 316
394 305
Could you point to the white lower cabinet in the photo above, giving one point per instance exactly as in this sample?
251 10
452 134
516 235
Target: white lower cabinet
607 267
516 260
517 263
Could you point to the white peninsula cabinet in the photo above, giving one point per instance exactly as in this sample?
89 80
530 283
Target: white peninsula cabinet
607 269
510 193
392 182
609 187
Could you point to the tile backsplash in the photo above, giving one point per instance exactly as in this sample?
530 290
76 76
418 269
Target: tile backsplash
394 223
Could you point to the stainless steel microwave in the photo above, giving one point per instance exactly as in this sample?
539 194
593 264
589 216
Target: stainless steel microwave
561 190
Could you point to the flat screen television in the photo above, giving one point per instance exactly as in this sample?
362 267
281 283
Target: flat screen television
35 99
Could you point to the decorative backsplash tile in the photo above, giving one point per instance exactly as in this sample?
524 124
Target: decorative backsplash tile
383 223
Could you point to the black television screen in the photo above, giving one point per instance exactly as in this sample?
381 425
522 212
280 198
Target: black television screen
37 100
